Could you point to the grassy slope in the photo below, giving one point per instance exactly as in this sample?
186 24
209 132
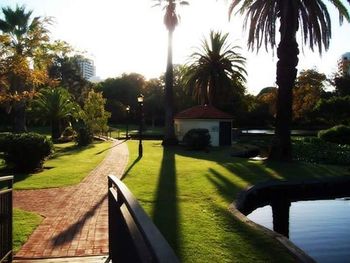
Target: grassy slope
24 224
68 166
187 195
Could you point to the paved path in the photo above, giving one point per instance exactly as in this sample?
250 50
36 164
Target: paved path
75 218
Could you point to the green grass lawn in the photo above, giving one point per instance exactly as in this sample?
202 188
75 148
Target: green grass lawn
187 195
24 224
68 166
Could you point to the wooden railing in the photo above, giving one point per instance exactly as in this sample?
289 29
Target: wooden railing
132 235
6 183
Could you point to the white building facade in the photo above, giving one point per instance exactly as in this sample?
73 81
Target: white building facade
218 123
344 64
86 67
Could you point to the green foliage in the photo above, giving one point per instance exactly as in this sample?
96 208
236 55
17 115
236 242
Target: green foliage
94 114
217 71
315 150
23 38
197 139
68 135
68 131
308 89
337 134
342 85
84 136
55 105
122 91
26 151
334 110
65 69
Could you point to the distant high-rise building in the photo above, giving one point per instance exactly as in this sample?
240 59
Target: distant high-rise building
87 67
344 64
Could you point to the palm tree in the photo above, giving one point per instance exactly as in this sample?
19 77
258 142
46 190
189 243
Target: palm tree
313 18
171 19
55 105
21 37
215 70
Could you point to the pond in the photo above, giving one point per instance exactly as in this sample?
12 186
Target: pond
270 132
321 228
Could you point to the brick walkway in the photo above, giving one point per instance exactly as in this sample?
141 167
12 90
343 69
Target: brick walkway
75 218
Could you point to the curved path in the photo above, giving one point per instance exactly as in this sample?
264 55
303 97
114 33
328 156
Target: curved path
75 218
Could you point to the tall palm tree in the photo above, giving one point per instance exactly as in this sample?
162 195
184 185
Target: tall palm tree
216 69
21 36
171 20
55 105
262 18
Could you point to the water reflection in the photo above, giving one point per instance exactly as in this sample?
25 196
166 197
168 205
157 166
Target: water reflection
321 228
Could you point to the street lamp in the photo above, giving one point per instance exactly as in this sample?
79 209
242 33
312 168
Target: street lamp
140 102
127 121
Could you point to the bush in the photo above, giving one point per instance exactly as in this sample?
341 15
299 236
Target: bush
197 139
338 134
25 151
68 135
85 136
69 131
315 150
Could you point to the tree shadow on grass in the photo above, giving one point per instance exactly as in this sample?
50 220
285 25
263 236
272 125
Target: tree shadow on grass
237 231
73 149
74 229
248 244
166 211
131 166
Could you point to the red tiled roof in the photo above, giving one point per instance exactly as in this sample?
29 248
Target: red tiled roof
202 112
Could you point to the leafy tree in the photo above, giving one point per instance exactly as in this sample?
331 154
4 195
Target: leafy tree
94 114
183 99
342 85
120 92
171 20
312 17
55 105
65 71
307 92
334 110
216 71
268 97
154 93
22 44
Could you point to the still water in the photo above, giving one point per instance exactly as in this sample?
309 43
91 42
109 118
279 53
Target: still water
320 228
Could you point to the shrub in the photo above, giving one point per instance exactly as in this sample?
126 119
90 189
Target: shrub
315 150
85 136
68 135
69 131
25 151
197 139
338 134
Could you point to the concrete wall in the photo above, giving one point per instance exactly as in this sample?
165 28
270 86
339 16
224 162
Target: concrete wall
182 126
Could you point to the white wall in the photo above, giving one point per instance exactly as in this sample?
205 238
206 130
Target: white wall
182 126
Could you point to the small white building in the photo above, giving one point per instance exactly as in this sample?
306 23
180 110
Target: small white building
217 122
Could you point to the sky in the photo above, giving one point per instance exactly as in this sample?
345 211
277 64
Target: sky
124 36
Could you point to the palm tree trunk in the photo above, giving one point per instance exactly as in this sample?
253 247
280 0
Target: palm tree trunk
169 133
287 53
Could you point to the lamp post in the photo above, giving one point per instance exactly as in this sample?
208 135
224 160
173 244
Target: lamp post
140 102
127 121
